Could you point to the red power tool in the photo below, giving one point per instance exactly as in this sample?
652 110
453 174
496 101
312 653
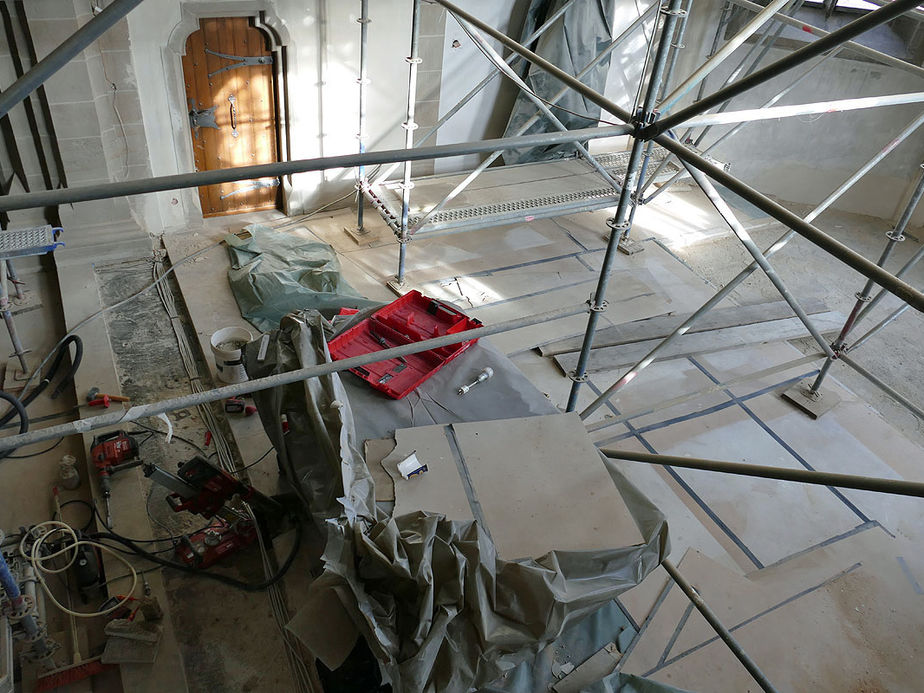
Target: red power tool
203 489
111 453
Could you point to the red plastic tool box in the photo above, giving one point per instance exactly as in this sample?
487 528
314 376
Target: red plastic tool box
411 318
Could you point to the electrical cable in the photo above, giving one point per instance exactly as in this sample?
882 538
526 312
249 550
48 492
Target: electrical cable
88 504
35 454
165 434
34 557
182 567
20 409
254 463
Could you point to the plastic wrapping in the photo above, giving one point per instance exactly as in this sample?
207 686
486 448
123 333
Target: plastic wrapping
275 272
572 43
437 607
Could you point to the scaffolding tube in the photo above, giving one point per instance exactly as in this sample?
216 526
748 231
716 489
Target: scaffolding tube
718 627
409 126
61 55
363 82
619 225
838 106
729 47
858 48
898 487
846 255
835 38
102 191
143 411
885 387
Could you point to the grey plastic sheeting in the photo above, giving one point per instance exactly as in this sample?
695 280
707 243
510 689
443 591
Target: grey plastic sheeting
437 607
571 44
276 272
629 683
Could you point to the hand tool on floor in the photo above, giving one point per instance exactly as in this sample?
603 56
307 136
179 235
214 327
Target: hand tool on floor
235 405
484 375
203 489
94 394
111 453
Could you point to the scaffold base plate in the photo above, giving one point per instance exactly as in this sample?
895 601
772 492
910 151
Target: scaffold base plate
813 405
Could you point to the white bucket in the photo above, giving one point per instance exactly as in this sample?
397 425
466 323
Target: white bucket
226 346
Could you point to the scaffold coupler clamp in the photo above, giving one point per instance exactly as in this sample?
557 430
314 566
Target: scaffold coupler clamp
865 298
892 236
666 10
572 375
596 307
621 228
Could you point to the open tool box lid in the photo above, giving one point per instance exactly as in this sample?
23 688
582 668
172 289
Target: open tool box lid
411 318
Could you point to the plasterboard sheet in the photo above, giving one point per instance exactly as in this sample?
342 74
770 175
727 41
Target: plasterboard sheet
542 486
440 489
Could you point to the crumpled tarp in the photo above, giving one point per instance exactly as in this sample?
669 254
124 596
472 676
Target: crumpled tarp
437 607
619 682
276 272
571 44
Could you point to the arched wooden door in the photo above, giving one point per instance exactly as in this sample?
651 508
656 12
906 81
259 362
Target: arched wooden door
230 97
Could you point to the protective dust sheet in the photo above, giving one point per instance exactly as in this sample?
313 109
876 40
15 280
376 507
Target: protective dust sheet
275 272
571 44
438 607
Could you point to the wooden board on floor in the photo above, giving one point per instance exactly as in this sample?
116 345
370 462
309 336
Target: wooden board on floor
660 326
609 358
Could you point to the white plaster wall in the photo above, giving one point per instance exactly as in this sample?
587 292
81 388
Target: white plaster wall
803 159
322 89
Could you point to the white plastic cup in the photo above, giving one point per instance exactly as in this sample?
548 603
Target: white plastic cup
226 346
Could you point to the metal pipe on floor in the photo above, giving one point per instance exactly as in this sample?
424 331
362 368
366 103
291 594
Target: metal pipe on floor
60 56
547 24
619 225
717 626
838 106
102 191
758 199
898 487
731 285
885 387
409 126
495 59
729 47
143 411
853 46
895 236
835 38
363 91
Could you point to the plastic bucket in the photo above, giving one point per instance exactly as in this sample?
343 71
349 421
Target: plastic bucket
226 346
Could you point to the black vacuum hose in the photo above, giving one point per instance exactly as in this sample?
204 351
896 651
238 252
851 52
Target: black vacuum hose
18 408
49 376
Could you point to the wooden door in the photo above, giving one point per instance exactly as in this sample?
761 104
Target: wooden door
230 97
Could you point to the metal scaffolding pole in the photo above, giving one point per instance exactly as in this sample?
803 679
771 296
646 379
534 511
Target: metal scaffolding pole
717 626
881 294
102 191
885 387
676 47
484 165
813 234
512 58
895 237
143 411
730 286
898 487
882 323
363 82
729 47
619 224
61 55
838 106
835 38
779 95
853 46
409 126
726 213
